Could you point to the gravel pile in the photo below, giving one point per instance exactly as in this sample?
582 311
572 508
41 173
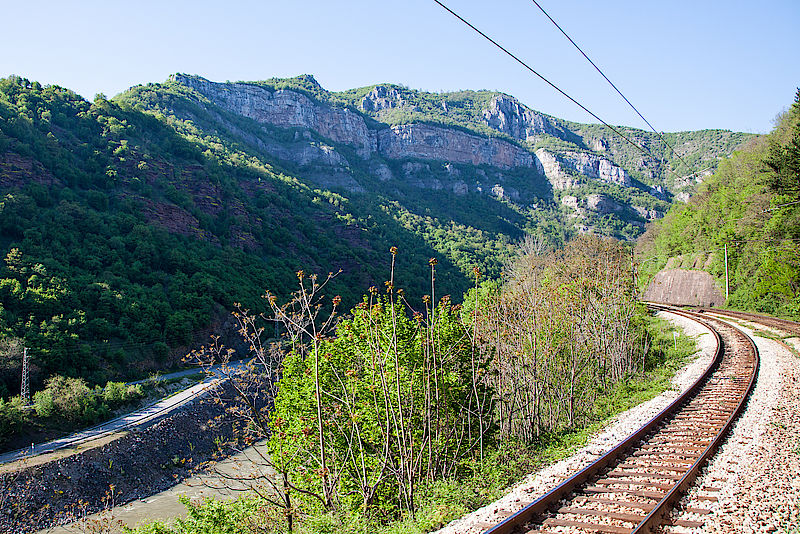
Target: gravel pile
536 484
138 464
755 475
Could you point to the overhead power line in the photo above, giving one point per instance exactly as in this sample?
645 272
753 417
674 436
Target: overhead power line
639 147
660 136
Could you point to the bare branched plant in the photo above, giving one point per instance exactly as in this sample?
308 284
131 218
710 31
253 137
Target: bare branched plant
248 389
357 412
563 327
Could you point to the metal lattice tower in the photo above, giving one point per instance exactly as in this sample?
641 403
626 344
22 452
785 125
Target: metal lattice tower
25 389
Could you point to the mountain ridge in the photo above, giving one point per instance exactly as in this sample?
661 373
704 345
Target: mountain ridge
502 134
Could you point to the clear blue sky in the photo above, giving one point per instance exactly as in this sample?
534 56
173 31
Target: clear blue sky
685 64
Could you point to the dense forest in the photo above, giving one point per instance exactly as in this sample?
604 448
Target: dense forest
749 206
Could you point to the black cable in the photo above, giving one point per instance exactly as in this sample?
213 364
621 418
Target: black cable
642 149
611 83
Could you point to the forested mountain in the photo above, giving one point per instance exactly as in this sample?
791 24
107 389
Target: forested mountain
130 226
402 143
751 205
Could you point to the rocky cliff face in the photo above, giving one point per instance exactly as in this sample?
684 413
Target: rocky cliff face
382 98
290 109
566 170
500 135
432 142
505 114
287 109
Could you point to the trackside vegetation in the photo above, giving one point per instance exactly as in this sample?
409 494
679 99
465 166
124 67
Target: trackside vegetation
750 205
401 416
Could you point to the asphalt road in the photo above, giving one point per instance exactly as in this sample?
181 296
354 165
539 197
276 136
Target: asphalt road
140 418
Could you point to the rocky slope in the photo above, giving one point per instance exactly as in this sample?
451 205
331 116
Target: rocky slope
343 140
148 215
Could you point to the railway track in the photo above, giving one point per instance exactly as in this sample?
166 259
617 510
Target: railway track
633 487
790 327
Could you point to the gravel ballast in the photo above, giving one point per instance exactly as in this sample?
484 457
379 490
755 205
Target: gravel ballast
754 478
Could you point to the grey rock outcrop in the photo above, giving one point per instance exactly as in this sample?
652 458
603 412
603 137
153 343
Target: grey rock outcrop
424 141
382 171
460 188
598 168
335 177
505 193
648 214
562 170
684 287
550 165
570 202
505 114
382 97
287 109
603 204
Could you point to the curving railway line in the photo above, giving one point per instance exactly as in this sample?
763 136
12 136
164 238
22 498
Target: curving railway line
633 487
790 327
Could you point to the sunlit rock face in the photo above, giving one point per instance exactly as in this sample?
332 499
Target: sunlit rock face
345 144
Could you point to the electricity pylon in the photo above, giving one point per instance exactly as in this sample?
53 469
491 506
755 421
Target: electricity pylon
25 389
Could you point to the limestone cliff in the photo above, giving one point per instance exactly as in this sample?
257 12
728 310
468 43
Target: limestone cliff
290 109
287 109
433 142
511 152
507 115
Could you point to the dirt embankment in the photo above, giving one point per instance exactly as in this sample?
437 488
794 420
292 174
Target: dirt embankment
137 464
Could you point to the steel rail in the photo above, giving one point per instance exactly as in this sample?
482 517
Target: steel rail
547 501
656 517
791 327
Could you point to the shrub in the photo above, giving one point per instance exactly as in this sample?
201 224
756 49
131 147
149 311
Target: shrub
12 416
43 403
70 398
118 393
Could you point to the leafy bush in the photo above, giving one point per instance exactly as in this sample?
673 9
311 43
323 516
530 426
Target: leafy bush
43 403
237 516
382 366
12 416
118 393
70 398
75 401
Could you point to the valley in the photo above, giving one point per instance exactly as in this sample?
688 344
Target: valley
466 234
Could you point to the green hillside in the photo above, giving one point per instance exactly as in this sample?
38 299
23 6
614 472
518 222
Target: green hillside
124 241
751 205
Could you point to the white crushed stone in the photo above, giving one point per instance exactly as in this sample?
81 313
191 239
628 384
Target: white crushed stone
757 469
539 483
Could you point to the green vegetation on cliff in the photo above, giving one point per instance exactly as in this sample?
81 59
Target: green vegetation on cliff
751 205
